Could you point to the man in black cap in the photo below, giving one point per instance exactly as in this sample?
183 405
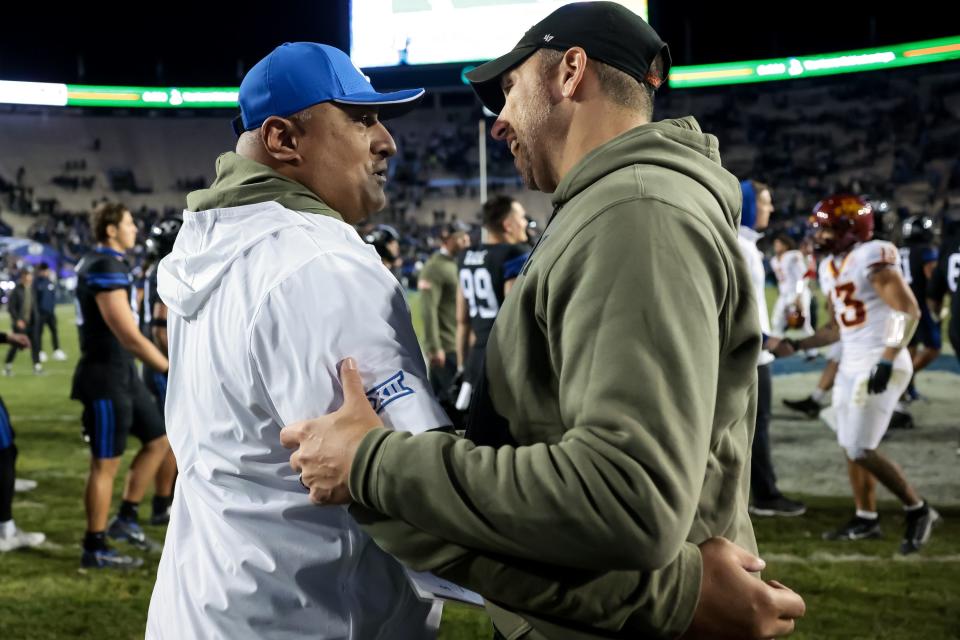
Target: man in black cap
603 487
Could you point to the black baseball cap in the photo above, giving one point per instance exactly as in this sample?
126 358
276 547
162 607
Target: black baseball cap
607 31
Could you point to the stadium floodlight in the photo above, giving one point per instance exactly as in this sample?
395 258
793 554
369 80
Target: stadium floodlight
747 71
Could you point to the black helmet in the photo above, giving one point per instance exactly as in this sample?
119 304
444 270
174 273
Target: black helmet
162 236
381 235
917 230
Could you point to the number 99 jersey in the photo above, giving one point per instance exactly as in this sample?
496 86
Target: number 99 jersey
482 272
860 312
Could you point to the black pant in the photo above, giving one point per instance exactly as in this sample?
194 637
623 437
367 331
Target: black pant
441 380
32 331
763 480
8 460
46 320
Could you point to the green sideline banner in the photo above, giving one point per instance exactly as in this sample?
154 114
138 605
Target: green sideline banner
827 64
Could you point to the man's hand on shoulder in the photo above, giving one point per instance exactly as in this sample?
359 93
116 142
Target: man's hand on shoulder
328 445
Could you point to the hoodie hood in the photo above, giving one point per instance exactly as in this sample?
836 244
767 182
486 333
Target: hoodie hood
241 181
246 203
678 145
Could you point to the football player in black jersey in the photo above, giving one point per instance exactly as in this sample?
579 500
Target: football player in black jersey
386 241
115 401
11 536
153 325
485 274
946 278
918 259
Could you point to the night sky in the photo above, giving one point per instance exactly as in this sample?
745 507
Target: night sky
213 43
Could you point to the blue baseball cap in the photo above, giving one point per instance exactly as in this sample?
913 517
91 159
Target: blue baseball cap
297 75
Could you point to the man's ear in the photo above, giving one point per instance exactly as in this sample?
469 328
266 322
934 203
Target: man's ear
571 69
281 139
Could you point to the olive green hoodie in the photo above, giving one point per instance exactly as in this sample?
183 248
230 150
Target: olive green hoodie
241 181
624 361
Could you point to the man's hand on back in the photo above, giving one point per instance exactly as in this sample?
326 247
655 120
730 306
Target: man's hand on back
735 605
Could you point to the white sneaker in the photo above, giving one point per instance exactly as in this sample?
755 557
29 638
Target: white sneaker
43 356
59 355
21 539
21 485
38 369
8 369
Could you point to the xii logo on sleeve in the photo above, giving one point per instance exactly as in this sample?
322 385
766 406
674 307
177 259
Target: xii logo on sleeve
387 391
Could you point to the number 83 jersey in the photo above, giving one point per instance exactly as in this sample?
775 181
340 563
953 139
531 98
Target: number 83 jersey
860 312
482 273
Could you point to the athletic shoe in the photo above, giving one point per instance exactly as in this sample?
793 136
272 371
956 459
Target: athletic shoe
43 356
911 393
8 370
901 420
38 369
808 406
22 485
108 559
129 531
856 529
919 527
59 355
161 518
21 539
779 506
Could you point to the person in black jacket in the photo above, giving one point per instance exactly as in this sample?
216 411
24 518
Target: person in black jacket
45 292
23 316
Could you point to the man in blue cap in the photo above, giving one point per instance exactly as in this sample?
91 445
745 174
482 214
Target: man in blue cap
268 288
765 497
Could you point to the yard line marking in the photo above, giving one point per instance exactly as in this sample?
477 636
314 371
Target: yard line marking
825 557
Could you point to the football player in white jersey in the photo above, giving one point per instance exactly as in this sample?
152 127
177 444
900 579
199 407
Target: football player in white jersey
792 309
875 315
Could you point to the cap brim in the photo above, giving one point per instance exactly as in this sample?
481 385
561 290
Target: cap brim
391 105
485 79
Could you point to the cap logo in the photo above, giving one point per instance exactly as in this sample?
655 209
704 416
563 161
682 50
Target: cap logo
548 37
360 71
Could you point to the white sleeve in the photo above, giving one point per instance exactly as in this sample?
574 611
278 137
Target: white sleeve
878 253
798 269
335 306
824 280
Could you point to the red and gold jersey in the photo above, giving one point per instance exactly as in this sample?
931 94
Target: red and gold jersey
859 310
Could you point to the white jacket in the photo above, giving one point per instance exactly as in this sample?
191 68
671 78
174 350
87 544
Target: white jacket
747 238
264 303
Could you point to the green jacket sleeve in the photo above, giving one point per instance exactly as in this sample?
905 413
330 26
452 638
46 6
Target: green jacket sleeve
632 322
654 603
430 306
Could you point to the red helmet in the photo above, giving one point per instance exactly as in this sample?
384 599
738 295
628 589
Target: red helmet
850 217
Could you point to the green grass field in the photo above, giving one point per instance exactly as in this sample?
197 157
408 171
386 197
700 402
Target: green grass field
854 591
